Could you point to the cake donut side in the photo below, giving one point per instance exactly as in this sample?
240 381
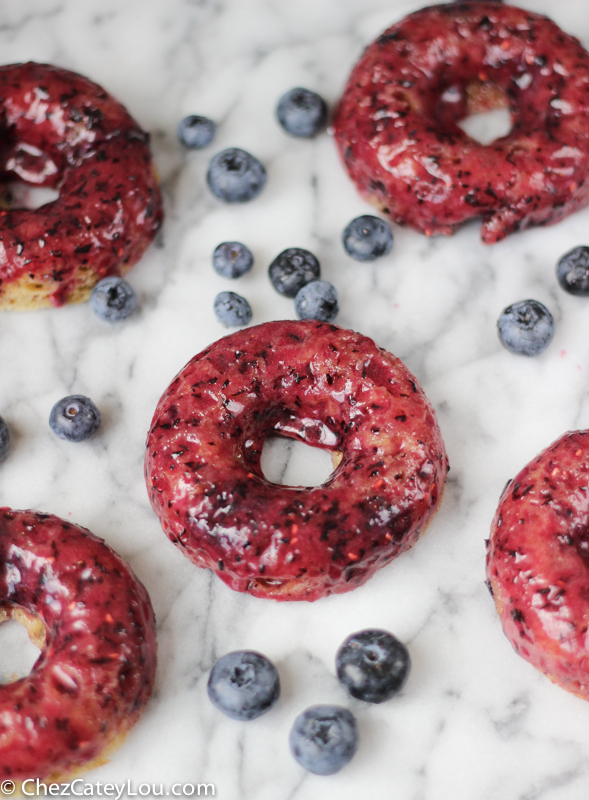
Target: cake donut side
538 562
330 388
62 131
94 623
396 124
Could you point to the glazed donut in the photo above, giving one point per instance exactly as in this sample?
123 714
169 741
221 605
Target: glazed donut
397 132
538 562
325 386
94 622
62 131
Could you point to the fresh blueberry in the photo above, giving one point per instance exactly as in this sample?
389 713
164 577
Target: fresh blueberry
526 328
292 269
572 271
4 439
232 259
196 132
74 418
317 300
113 299
373 665
236 176
232 310
324 739
367 238
302 113
244 684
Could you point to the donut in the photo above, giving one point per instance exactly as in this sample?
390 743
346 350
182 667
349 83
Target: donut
62 131
329 388
538 562
396 123
95 626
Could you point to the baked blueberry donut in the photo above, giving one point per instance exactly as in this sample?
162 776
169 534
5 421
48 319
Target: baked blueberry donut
325 386
95 626
397 132
538 562
64 132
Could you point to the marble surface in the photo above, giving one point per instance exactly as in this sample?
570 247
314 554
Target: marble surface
474 721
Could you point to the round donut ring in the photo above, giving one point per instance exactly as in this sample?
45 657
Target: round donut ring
94 622
538 562
62 131
325 386
397 132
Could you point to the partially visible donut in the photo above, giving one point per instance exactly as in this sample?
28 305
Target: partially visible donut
60 130
397 132
94 622
325 386
538 562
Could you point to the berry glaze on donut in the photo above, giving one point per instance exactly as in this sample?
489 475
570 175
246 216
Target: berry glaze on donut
61 131
538 562
330 388
397 132
94 622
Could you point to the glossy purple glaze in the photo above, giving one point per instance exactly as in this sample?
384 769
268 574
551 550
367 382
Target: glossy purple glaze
96 670
330 388
538 562
397 132
60 130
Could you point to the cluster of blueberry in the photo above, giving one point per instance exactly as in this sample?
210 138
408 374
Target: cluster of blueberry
373 665
236 176
527 328
73 418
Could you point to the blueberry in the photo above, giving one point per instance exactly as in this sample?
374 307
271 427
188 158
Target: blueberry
292 269
232 309
572 271
302 113
324 739
367 238
113 299
4 439
232 259
526 328
373 665
236 176
74 418
243 684
196 132
317 300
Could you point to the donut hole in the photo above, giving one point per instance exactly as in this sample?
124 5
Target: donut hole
15 195
480 108
290 462
22 636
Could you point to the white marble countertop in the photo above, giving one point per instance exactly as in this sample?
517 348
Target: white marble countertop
474 722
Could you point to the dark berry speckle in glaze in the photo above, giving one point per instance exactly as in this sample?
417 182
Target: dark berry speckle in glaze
373 665
327 387
244 685
538 562
397 129
74 418
109 205
97 665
